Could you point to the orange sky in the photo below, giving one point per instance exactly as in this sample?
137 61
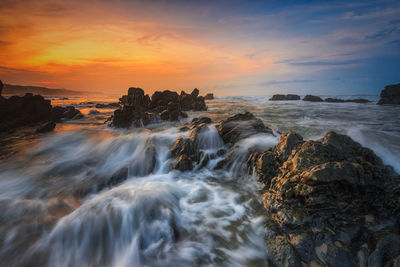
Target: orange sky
107 48
234 47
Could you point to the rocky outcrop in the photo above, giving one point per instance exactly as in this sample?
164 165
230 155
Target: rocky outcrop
240 126
46 127
390 95
337 100
312 98
30 109
187 149
1 88
209 96
284 97
139 109
329 202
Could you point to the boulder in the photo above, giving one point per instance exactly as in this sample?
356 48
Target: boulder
209 96
390 95
240 126
312 98
328 202
284 97
46 127
139 109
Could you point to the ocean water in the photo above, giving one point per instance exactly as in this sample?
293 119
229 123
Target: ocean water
60 208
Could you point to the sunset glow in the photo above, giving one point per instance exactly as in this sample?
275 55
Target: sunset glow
223 48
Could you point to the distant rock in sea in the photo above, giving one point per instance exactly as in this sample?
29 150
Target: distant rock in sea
390 95
284 97
139 109
209 96
328 202
20 90
312 98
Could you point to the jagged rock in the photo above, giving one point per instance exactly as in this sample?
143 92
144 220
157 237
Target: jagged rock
138 109
46 127
185 150
390 95
209 96
241 126
312 98
331 201
284 97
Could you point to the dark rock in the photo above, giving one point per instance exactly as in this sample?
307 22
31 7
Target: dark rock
94 112
284 97
1 88
241 126
334 100
312 98
390 95
329 200
139 110
46 127
209 96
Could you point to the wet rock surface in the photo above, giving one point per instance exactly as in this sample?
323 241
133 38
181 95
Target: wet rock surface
240 126
17 111
284 97
390 95
329 202
209 96
139 109
312 98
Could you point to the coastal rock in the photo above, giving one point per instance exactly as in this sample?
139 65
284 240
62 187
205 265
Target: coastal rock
139 109
108 105
284 97
240 126
46 127
1 88
312 98
329 200
209 96
390 95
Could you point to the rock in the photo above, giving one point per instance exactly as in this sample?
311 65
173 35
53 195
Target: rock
284 97
185 150
209 96
94 112
1 88
241 126
312 98
326 199
21 111
46 127
390 95
139 109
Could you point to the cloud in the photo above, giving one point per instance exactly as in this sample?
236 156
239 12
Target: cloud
273 82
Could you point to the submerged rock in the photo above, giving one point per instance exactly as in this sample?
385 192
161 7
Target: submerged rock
139 109
240 126
312 98
284 97
328 202
46 127
390 95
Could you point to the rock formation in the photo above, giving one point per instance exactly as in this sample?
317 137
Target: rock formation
390 95
209 97
312 98
139 109
284 97
18 111
328 202
1 88
240 126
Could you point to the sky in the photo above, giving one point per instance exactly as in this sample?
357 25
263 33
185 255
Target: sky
225 47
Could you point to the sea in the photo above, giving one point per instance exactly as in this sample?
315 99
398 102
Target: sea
58 208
